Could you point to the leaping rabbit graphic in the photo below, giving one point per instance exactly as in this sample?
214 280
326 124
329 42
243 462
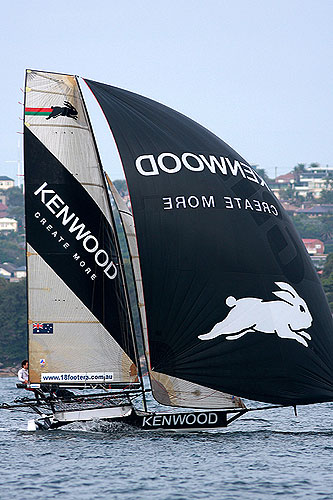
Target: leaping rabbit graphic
287 317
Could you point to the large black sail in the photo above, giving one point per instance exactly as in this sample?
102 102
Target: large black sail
231 297
77 313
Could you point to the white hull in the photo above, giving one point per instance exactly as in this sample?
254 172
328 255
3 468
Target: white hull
60 418
93 414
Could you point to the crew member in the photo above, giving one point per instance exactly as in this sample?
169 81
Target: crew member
23 374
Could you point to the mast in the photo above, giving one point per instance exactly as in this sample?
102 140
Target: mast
25 224
118 202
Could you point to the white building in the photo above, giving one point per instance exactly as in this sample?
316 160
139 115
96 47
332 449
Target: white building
20 272
309 183
7 224
6 182
6 270
12 273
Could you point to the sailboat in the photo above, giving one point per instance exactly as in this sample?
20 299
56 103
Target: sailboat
204 277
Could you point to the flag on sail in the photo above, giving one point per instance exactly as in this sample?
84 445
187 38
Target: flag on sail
42 328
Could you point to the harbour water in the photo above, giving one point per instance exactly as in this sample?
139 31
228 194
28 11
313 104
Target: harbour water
263 455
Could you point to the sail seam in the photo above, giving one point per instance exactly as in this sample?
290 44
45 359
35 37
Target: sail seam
54 125
92 184
39 287
30 321
53 93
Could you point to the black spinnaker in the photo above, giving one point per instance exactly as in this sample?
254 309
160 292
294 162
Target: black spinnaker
232 300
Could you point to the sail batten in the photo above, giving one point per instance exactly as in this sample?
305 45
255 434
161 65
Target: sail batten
231 299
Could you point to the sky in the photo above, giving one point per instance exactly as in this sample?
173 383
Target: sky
257 73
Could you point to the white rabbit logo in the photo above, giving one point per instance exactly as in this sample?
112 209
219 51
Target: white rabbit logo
286 317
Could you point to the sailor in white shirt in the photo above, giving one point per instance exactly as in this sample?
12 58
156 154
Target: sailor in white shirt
23 374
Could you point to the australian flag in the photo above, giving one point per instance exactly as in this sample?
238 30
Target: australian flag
42 328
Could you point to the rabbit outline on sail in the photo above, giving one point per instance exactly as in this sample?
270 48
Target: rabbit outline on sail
287 317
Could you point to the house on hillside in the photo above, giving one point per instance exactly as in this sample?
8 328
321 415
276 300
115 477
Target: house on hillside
282 182
314 246
285 179
316 250
20 272
6 182
7 270
308 183
12 273
7 224
311 183
317 210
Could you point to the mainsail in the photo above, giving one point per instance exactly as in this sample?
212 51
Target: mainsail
79 327
231 300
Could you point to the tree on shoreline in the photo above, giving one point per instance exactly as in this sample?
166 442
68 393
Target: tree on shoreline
13 322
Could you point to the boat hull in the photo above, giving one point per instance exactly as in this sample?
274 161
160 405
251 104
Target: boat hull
114 412
184 421
189 421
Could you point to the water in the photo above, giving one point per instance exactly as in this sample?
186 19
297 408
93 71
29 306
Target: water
263 455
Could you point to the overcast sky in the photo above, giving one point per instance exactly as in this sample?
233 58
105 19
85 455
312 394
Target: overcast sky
258 73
